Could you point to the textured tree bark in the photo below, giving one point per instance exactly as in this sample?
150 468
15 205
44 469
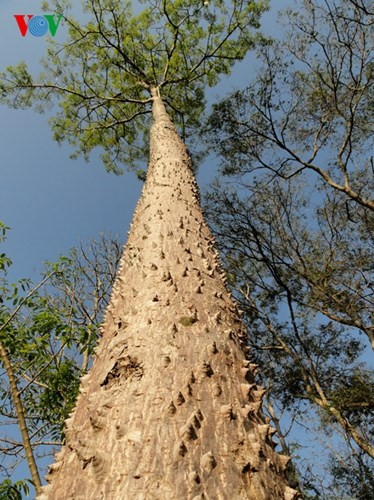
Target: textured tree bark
170 409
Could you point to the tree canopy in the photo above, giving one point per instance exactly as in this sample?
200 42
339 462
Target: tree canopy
102 75
309 107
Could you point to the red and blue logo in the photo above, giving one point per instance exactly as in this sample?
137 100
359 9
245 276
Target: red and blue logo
38 25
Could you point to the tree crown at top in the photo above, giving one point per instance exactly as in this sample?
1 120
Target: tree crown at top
103 74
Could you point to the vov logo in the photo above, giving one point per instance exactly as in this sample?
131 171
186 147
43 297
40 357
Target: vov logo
38 25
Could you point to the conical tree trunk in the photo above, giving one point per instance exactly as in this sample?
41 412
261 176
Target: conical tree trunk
169 409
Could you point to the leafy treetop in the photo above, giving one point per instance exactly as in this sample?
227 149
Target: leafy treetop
103 74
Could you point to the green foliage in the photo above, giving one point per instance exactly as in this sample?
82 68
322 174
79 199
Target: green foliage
5 262
103 74
354 396
356 476
13 491
49 333
141 174
57 401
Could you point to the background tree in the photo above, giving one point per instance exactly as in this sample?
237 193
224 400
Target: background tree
308 110
295 222
48 333
311 364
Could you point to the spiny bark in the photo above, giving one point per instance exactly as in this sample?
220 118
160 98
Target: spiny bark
170 408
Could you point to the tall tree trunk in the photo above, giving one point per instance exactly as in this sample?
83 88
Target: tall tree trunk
169 409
